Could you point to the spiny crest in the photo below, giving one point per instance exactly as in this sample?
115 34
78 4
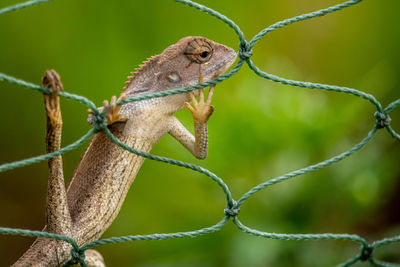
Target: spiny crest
146 67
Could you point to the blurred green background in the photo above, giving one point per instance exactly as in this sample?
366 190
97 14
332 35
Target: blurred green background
259 130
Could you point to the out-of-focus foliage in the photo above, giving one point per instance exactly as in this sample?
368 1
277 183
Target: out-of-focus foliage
260 129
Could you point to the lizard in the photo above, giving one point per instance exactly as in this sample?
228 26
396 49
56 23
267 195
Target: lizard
105 173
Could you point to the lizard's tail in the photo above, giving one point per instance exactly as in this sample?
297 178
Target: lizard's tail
48 253
45 252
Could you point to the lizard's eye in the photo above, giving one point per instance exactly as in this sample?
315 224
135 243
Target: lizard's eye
199 51
204 54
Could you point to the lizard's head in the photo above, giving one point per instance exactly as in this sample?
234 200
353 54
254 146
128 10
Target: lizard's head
191 60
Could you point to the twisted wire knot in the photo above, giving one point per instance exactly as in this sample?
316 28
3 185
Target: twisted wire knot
99 122
232 210
245 50
78 256
382 119
366 252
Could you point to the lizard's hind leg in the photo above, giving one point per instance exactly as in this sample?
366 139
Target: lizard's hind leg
58 217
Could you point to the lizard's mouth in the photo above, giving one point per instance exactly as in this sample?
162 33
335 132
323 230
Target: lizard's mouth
216 68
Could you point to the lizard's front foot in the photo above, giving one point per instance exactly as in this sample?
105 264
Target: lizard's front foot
112 111
201 110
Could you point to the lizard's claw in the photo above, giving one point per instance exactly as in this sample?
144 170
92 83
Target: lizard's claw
51 80
201 110
112 111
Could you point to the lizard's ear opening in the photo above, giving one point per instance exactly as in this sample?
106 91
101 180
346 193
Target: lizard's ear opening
173 77
199 50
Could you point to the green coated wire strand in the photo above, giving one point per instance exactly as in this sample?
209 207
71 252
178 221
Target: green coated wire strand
388 109
393 133
24 232
216 14
299 237
37 159
21 5
382 263
386 241
5 77
308 169
196 168
392 105
350 262
286 22
196 233
311 85
81 99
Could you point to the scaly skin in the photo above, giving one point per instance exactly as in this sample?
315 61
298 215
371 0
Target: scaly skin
106 171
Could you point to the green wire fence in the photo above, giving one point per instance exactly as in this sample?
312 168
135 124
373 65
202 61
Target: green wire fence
233 206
